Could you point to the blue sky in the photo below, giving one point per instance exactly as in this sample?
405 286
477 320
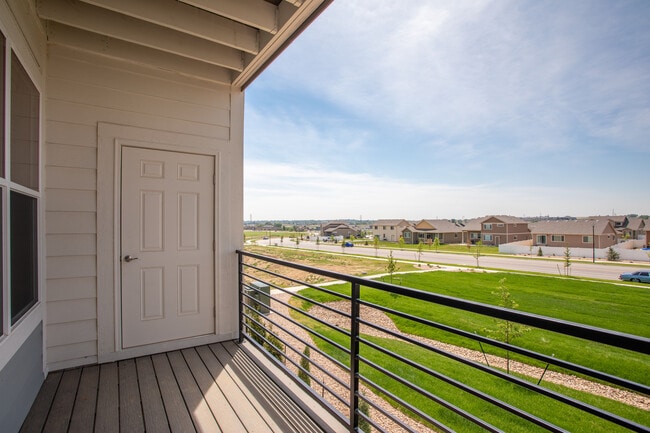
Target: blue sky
454 109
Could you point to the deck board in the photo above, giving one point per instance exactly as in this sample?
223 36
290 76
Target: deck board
153 409
177 414
63 402
83 417
107 415
204 389
131 419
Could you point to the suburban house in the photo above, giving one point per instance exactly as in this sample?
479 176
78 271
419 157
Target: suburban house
338 229
426 231
581 233
121 176
389 230
634 229
496 230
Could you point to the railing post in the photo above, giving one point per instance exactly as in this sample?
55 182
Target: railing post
355 312
240 289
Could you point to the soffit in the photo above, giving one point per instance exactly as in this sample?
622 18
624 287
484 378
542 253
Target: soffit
224 41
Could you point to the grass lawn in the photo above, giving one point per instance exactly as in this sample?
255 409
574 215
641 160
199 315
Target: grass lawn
604 305
573 420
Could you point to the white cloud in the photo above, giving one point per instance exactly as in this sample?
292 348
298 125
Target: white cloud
533 72
309 191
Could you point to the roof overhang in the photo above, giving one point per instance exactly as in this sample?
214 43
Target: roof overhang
226 41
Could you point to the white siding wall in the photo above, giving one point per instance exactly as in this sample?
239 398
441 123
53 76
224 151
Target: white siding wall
82 90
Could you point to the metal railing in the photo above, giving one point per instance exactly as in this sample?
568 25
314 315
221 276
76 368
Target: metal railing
355 363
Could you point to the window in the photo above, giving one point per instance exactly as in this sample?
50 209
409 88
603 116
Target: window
487 238
487 226
474 235
557 238
24 127
541 239
23 250
587 239
19 187
500 225
407 235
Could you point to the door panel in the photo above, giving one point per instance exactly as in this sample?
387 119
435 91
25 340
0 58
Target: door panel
167 229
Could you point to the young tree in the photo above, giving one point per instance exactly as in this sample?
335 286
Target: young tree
391 266
506 331
436 243
477 252
567 261
420 246
375 242
401 242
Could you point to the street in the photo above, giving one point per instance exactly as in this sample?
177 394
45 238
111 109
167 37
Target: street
578 268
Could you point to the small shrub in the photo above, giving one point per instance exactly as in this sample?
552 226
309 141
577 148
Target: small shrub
539 252
364 424
613 255
305 365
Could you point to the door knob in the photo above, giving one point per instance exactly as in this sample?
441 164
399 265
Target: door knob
129 258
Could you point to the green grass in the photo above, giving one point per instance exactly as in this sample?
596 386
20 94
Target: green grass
573 420
442 248
604 305
255 235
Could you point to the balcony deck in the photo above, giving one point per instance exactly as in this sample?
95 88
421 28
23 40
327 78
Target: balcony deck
203 389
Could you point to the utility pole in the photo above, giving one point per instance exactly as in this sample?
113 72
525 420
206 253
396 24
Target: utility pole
593 243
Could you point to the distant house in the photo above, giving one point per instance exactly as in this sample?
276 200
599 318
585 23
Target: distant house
338 229
496 230
582 233
426 231
389 230
634 229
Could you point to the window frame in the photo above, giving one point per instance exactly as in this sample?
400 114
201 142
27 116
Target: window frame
553 238
13 333
487 226
587 239
538 239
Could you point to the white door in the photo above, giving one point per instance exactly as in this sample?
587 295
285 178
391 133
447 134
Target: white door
167 246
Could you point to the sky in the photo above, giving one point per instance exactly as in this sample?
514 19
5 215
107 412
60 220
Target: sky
414 109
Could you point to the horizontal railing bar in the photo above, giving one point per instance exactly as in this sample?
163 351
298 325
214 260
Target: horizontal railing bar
615 380
316 348
293 280
531 386
312 332
406 405
297 310
600 335
442 402
468 389
387 414
297 295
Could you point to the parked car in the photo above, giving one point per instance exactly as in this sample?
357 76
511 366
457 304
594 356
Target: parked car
349 244
642 276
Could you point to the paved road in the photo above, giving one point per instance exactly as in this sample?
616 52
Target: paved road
578 268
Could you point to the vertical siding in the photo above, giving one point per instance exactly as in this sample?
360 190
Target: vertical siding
83 90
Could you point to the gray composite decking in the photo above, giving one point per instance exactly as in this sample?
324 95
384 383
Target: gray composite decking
209 388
